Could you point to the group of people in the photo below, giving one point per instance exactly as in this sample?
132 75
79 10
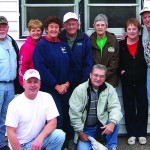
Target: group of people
69 81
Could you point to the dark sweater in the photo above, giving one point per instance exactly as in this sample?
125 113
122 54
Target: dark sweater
135 67
55 63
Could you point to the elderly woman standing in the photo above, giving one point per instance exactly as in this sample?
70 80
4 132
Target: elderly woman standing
35 28
55 63
133 77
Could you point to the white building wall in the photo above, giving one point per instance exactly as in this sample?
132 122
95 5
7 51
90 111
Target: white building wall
10 9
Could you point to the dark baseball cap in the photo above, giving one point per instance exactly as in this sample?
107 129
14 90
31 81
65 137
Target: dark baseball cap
3 20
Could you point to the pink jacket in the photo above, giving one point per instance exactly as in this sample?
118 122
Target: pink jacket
25 57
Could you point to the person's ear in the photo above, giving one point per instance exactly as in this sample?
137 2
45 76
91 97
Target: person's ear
94 26
90 75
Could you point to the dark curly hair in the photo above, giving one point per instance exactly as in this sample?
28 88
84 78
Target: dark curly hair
52 19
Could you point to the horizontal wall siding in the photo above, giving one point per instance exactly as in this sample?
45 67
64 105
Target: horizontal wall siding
10 9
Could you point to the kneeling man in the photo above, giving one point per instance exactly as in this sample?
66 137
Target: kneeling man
32 118
94 106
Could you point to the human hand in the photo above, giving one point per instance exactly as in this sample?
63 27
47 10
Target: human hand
123 36
61 89
37 144
108 129
83 137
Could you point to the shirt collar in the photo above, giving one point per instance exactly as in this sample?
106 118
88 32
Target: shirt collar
51 40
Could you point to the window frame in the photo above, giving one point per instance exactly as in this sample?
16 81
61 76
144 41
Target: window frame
117 31
23 13
82 8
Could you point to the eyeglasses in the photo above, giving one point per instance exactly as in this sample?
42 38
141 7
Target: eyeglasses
99 76
71 24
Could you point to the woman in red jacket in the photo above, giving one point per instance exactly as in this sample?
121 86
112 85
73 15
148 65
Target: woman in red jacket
35 28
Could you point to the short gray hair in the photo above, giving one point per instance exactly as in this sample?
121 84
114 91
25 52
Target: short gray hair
101 17
100 67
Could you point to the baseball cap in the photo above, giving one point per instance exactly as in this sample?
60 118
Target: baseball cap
101 17
31 73
3 20
69 15
146 7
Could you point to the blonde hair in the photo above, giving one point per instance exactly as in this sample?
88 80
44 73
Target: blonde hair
35 23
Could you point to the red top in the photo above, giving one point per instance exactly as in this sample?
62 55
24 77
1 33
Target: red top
132 48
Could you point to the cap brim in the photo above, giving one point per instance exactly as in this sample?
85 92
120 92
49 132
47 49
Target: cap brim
143 11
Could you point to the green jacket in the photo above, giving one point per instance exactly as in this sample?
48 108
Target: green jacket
110 56
108 107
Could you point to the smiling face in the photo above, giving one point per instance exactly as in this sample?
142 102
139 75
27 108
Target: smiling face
132 31
146 19
97 77
71 26
53 30
100 28
3 31
36 33
31 86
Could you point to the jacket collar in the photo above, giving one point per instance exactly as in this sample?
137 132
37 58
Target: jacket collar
50 39
100 89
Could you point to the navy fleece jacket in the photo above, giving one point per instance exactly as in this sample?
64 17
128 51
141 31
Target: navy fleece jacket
55 63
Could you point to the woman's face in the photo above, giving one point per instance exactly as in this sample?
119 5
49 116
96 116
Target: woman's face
132 31
36 33
53 30
100 28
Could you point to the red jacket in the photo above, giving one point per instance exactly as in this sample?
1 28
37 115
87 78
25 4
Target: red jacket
25 57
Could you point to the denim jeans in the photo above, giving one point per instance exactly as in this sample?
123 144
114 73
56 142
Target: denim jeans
148 85
111 139
6 95
53 142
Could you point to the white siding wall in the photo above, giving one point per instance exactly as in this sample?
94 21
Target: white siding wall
10 9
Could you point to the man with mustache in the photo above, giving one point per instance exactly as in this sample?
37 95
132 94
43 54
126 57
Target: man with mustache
8 72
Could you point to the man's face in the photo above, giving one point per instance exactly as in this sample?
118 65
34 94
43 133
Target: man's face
146 19
100 28
3 31
71 26
31 86
97 78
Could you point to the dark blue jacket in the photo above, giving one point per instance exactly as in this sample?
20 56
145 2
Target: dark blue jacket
55 63
82 51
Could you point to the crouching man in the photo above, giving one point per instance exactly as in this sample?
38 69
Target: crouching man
32 118
94 110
